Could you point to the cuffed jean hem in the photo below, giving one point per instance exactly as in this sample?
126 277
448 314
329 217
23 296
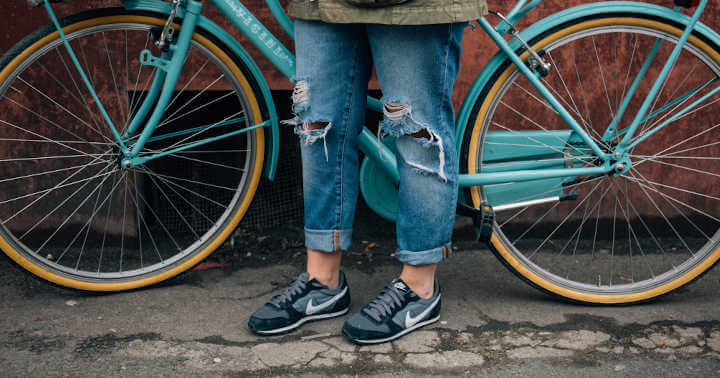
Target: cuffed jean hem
328 240
430 256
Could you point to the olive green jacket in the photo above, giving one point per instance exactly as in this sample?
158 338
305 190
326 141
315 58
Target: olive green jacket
415 12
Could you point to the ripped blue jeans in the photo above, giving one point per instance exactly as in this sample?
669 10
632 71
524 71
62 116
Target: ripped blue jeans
417 67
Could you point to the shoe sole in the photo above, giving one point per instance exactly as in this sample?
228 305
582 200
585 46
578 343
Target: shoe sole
393 337
303 321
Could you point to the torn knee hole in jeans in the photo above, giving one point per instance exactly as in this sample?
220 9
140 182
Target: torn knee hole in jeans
310 131
399 121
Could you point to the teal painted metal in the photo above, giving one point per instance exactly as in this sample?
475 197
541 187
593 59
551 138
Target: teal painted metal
610 131
623 146
258 35
281 17
507 146
535 81
557 19
679 99
196 129
89 86
178 52
479 179
673 118
145 158
378 189
148 103
503 194
380 153
240 53
516 14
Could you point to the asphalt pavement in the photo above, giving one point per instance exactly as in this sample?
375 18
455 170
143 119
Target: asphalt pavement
492 324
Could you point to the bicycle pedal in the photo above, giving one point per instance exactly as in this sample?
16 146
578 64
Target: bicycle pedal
483 219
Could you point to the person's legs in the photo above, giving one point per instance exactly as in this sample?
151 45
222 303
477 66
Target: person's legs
417 67
333 69
330 95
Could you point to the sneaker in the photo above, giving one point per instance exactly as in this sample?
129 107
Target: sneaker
394 313
302 301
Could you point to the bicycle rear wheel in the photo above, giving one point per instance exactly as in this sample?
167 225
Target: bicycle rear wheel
69 213
603 239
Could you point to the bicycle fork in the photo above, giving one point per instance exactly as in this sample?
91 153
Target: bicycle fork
168 67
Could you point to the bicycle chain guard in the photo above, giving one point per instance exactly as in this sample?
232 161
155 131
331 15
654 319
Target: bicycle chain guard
378 190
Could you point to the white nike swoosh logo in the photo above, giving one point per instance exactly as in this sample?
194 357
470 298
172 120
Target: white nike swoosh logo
411 321
310 309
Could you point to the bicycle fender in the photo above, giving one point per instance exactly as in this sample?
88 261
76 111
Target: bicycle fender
568 15
271 157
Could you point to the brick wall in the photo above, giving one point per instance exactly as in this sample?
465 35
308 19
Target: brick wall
20 20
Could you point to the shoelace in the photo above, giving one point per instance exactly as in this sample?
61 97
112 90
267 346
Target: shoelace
385 303
296 287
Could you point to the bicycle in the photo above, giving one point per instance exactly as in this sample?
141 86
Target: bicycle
588 196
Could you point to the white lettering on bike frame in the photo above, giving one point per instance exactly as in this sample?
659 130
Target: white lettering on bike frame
258 30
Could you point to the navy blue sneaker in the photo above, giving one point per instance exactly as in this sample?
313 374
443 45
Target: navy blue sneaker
302 301
394 313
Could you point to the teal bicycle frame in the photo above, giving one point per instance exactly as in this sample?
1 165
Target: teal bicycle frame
170 64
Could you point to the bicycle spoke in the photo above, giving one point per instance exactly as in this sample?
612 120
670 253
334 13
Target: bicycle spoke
667 221
86 182
64 109
114 79
170 117
80 139
61 183
82 103
137 81
644 224
70 216
582 90
678 143
190 81
172 204
196 109
167 182
65 199
206 162
96 209
144 222
179 144
631 230
116 182
602 76
575 108
567 217
229 189
51 189
94 162
152 174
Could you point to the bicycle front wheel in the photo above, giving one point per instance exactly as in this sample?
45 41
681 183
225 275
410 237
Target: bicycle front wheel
70 213
607 239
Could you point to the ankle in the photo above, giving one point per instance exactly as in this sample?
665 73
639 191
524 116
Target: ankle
424 288
324 267
329 279
420 278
